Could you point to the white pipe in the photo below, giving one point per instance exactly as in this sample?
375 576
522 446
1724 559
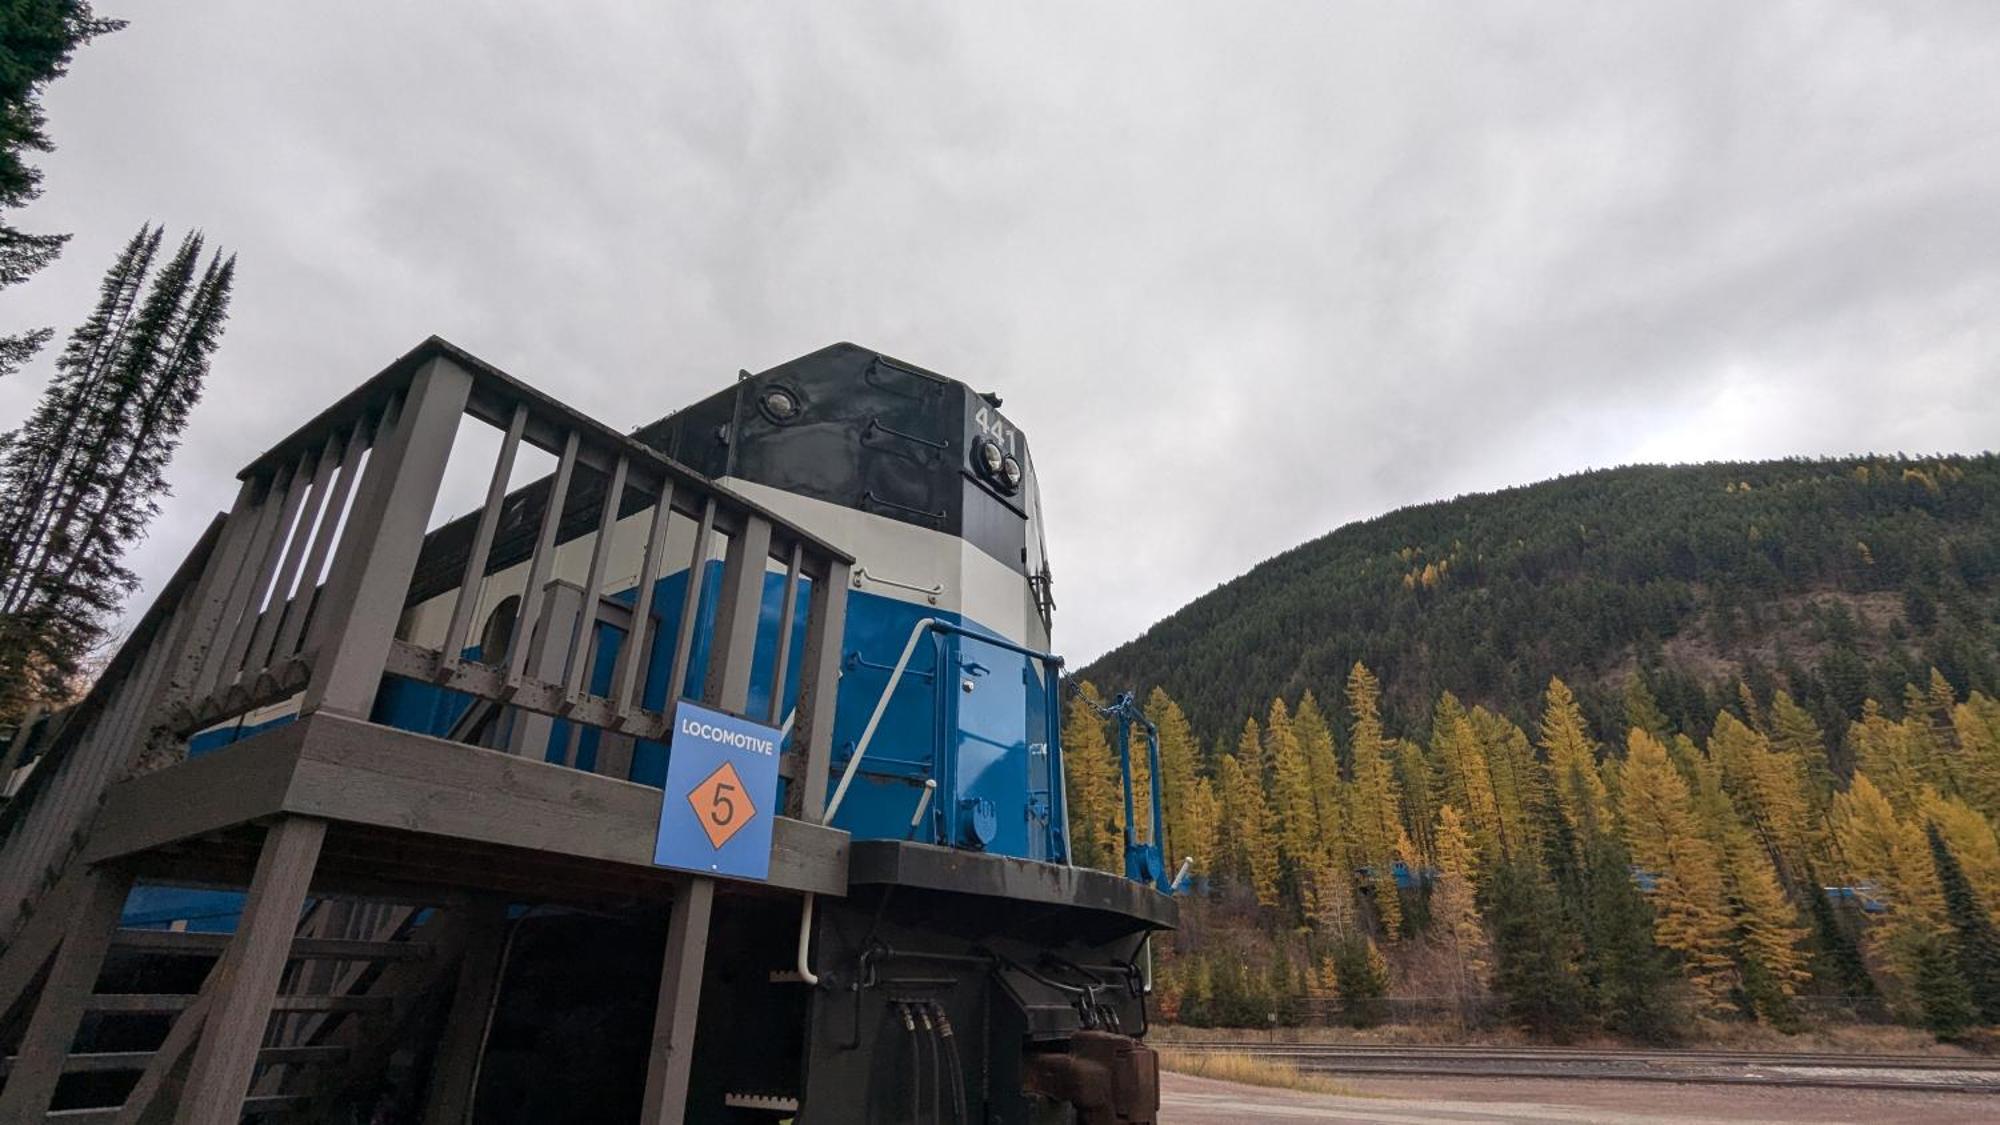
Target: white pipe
805 936
923 802
881 706
847 776
1180 877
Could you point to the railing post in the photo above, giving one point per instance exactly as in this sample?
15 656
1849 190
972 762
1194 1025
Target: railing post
733 649
385 532
826 626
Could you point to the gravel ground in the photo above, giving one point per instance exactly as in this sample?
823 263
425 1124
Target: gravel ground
1443 1099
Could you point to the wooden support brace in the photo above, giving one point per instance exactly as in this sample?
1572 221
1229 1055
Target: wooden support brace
457 1063
90 921
672 1057
243 985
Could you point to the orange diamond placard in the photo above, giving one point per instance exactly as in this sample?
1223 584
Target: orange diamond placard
721 804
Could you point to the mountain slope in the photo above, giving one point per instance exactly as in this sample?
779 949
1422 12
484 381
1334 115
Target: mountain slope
1838 579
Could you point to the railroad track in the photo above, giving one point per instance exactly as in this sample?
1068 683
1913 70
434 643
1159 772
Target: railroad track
1838 1070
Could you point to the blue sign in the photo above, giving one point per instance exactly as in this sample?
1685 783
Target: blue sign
721 796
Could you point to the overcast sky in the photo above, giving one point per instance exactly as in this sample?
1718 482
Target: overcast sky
1243 272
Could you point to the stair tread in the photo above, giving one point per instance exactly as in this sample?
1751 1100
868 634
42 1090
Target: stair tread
318 949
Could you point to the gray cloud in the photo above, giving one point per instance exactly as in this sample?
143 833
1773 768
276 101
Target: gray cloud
1243 272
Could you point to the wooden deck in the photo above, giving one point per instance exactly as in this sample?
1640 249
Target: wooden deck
403 807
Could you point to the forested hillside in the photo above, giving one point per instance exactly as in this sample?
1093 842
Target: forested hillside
1649 748
1838 580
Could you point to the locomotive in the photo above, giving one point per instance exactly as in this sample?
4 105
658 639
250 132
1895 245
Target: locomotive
972 973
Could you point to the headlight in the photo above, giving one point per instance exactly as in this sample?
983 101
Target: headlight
1010 473
990 457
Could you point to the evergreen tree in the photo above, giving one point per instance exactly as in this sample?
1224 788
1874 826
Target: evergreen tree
1976 725
1534 955
1628 974
1978 943
1361 978
1836 953
1642 710
83 474
37 39
1322 762
1943 997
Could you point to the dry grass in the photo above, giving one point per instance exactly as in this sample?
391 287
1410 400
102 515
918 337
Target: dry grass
1248 1070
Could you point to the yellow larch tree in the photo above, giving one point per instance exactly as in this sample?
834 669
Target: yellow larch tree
1322 763
1769 789
1691 914
1520 783
1245 836
1794 735
1465 781
1883 750
1972 841
1096 800
1767 932
1455 920
1186 799
1374 821
1572 760
1880 852
1976 724
1295 818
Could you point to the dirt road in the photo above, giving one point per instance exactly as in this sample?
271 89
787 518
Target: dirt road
1442 1100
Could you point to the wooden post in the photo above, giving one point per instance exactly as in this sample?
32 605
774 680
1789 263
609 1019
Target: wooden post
90 921
244 982
363 598
672 1056
826 625
452 1091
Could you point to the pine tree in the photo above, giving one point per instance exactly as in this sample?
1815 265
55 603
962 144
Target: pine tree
1361 976
1884 751
1768 788
1628 974
82 476
1978 942
1688 895
1534 954
1767 935
1521 789
1096 803
1572 762
1642 710
37 39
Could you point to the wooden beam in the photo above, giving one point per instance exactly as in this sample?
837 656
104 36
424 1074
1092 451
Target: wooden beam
240 783
672 1056
38 1065
25 957
367 774
244 983
457 1062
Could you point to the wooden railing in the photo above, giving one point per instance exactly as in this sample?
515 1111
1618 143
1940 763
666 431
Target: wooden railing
297 595
96 742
